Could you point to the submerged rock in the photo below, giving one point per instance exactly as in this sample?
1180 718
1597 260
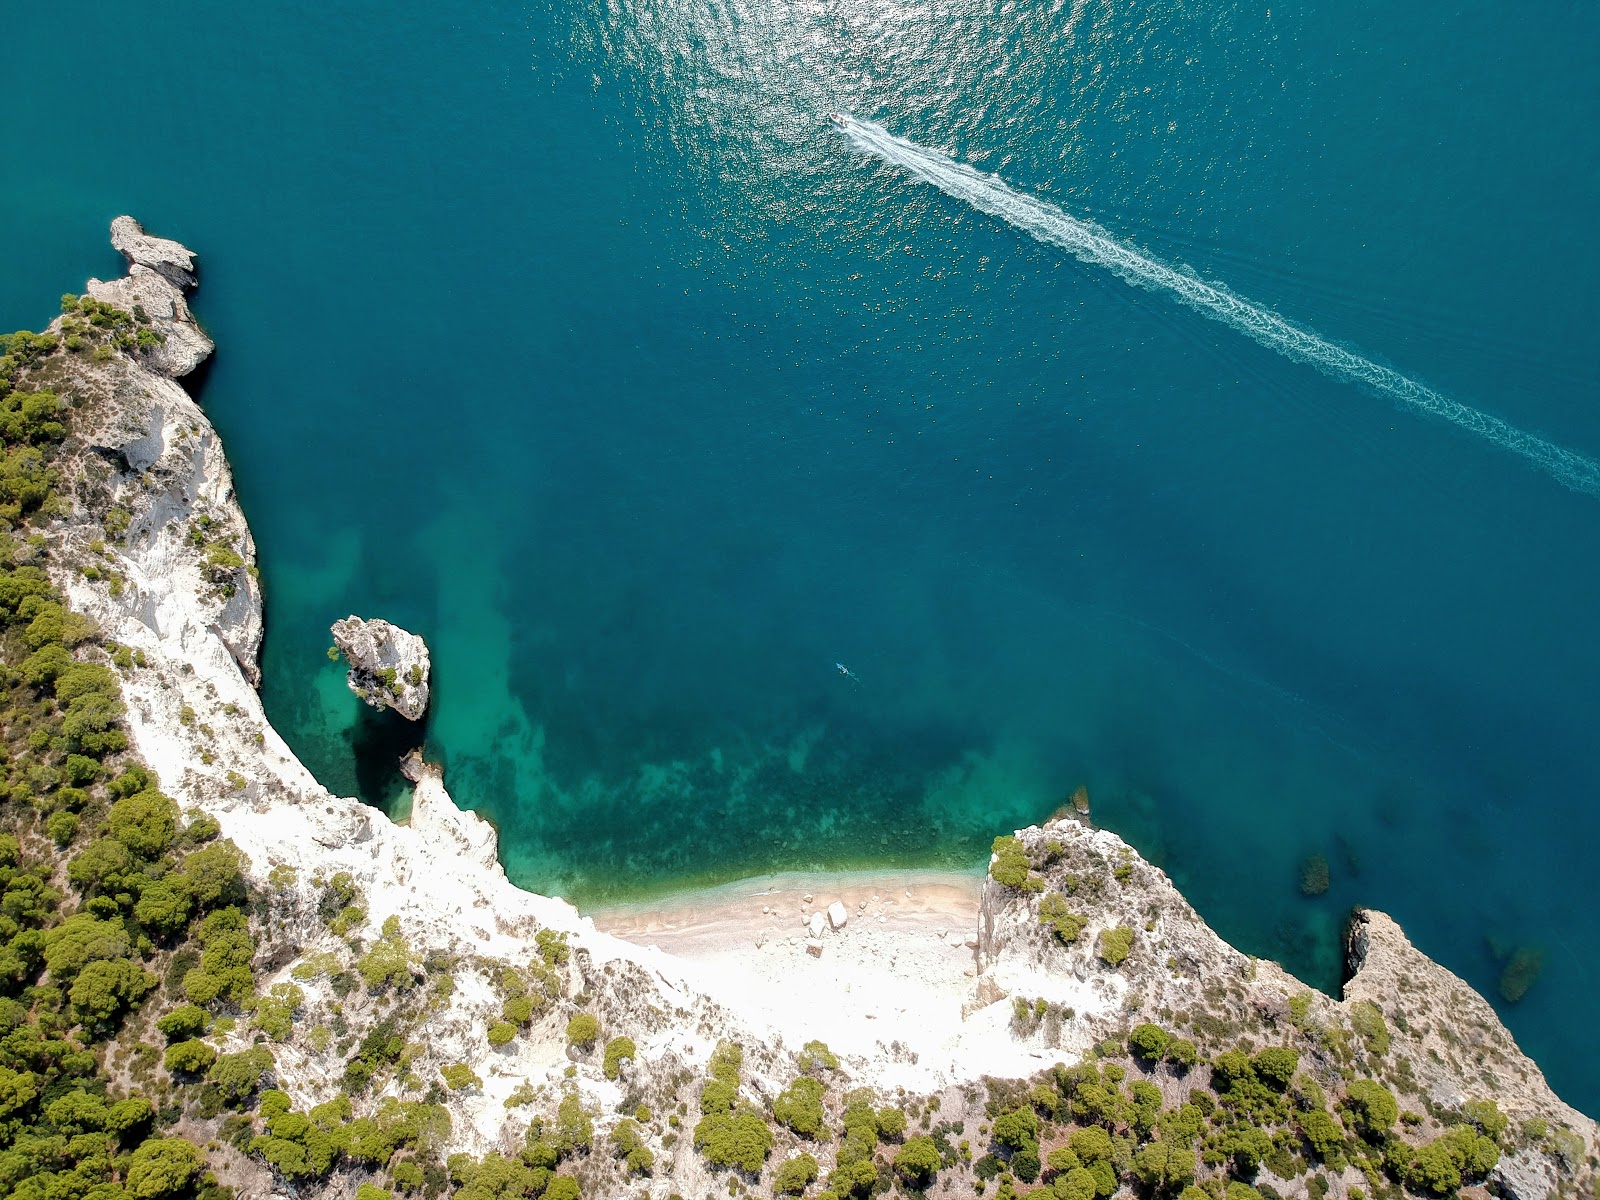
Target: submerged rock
388 666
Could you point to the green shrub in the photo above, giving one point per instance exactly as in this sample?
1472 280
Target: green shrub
191 1057
1010 866
1115 945
1025 1165
1055 916
628 1141
1372 1105
1367 1020
1149 1042
583 1031
388 962
1486 1115
815 1057
458 1076
800 1107
794 1175
618 1049
501 1032
733 1140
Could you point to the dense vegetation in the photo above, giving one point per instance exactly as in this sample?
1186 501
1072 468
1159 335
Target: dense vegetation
1145 1115
111 901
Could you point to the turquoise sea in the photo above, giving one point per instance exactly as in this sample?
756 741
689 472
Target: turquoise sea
575 338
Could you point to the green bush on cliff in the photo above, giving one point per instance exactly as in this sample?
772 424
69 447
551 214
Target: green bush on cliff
1366 1018
1115 945
800 1107
740 1140
618 1049
794 1175
1055 916
583 1030
1011 867
1372 1106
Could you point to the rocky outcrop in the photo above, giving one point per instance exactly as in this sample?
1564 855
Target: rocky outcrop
389 667
153 486
160 272
1095 929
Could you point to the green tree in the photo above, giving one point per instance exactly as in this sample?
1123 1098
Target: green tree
165 905
1017 1129
146 823
917 1161
1115 945
1149 1042
1164 1166
104 989
1276 1066
185 1021
583 1031
1077 1184
618 1049
1372 1105
733 1140
1323 1132
800 1106
162 1167
794 1175
190 1057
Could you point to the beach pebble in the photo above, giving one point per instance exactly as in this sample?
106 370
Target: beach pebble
816 925
808 898
838 914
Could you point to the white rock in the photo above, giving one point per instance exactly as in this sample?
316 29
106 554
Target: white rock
838 914
389 667
816 925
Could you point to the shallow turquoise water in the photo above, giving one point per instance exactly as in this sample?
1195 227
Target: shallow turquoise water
575 339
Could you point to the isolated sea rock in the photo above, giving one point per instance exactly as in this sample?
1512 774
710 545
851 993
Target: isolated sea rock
388 666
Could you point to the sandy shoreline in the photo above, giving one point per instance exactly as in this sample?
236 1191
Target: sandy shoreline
902 968
768 907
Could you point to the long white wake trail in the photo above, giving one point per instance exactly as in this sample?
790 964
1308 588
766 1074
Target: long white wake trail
1091 244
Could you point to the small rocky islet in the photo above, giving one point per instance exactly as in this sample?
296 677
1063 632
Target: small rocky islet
217 979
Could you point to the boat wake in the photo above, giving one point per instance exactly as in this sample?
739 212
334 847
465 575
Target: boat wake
1091 244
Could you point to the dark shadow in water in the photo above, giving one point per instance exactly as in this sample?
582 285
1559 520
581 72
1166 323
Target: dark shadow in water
379 740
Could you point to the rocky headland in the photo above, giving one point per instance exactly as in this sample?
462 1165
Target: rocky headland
407 1020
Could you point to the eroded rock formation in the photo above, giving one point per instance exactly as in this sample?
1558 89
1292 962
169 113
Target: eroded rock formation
389 667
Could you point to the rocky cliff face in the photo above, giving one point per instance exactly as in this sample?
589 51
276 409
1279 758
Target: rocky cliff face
155 517
1139 952
389 667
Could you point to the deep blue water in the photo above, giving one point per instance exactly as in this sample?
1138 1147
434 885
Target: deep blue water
575 339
